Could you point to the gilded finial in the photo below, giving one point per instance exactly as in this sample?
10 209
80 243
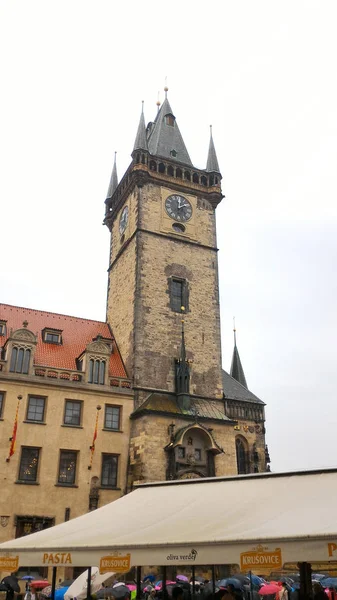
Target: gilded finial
234 330
166 87
158 102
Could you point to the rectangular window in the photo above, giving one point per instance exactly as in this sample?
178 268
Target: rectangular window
112 417
67 467
197 453
178 291
35 409
29 463
2 401
52 336
72 413
181 452
177 294
2 327
109 470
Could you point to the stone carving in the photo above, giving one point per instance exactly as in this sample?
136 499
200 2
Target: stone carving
4 520
98 347
25 335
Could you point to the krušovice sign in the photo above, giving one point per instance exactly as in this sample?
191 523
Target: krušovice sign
117 564
261 557
9 563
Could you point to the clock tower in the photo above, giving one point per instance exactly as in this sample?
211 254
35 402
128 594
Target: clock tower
163 308
164 257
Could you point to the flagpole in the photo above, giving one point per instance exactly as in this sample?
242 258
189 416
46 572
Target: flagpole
15 428
92 447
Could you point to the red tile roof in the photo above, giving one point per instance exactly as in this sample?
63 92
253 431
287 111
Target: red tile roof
76 334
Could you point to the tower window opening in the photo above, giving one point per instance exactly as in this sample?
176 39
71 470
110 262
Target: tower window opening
161 168
153 165
169 119
241 456
204 180
178 294
187 175
211 180
178 227
170 171
195 178
179 173
173 153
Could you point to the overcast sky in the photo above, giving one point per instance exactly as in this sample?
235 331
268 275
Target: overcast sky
263 73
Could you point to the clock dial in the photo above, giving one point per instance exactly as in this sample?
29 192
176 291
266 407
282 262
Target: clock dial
178 207
123 221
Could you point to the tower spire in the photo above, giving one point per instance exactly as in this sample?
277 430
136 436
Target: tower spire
237 371
141 141
114 179
212 161
183 370
164 137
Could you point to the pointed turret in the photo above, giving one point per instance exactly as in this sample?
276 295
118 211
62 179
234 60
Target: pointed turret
141 141
165 139
237 371
183 373
212 161
113 181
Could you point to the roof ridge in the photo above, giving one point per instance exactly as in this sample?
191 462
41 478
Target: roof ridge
48 312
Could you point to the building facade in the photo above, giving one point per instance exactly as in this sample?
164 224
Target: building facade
88 409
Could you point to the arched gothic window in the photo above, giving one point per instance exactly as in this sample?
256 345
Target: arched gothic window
20 359
241 456
96 371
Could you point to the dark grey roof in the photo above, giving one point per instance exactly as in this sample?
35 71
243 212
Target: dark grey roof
167 403
113 181
212 161
141 141
233 390
236 368
163 138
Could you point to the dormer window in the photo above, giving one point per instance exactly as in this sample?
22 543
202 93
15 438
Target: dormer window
169 119
96 371
52 336
20 359
173 153
2 327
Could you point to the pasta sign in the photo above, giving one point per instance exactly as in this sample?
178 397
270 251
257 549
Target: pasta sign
261 557
117 564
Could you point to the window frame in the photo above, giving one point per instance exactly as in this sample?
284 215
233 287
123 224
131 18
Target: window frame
97 371
20 359
113 406
52 332
112 456
2 403
33 397
67 483
79 424
184 297
3 328
22 479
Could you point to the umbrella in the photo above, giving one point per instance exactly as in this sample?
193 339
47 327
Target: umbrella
78 588
27 577
149 578
12 582
230 581
326 582
59 593
159 584
39 583
46 592
3 587
181 578
268 589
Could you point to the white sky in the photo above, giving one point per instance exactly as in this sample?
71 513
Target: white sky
73 75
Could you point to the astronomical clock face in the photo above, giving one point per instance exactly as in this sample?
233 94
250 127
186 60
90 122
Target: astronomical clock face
123 221
178 208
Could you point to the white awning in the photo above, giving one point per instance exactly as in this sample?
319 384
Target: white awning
253 520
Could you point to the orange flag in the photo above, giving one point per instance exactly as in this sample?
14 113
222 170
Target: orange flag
92 447
13 438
